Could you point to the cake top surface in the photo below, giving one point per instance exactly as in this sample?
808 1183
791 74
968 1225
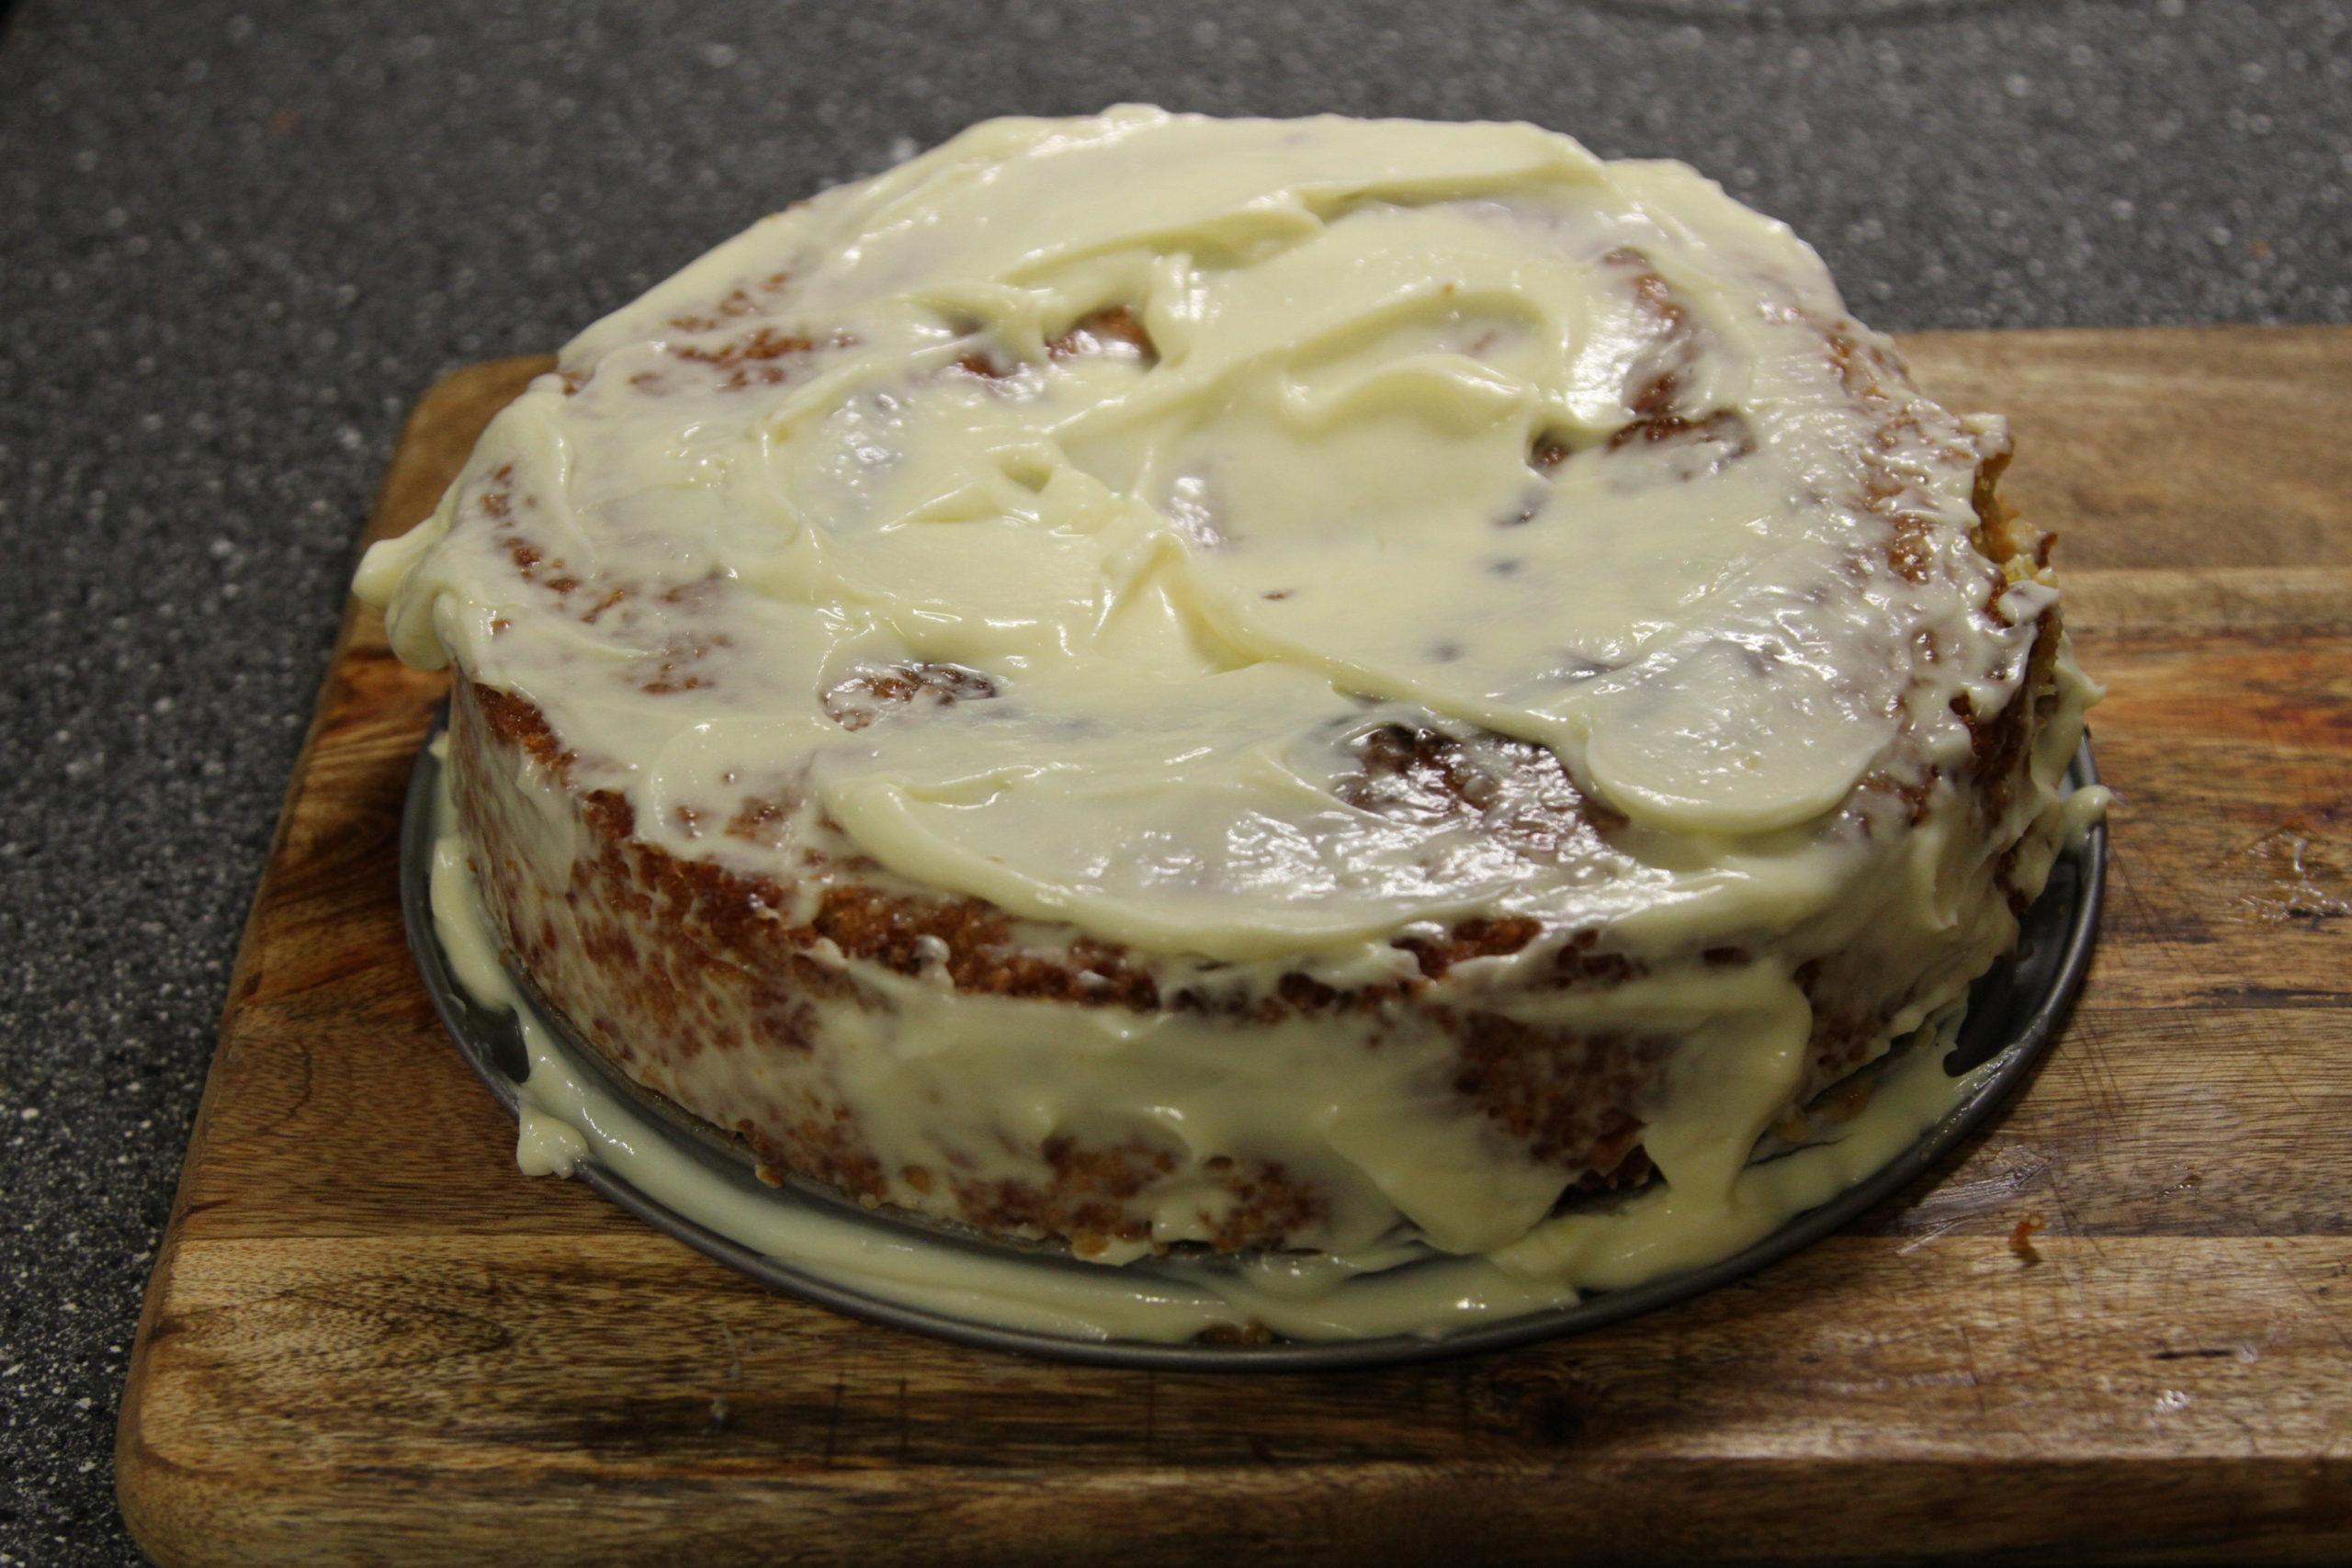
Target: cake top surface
1241 538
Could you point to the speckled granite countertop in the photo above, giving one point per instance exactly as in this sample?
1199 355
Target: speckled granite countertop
237 237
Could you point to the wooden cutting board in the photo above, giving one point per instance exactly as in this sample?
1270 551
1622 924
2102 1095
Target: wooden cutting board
369 1339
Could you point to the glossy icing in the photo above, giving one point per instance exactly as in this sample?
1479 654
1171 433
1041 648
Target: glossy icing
1318 504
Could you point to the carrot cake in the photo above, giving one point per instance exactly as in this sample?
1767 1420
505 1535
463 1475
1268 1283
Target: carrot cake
1159 681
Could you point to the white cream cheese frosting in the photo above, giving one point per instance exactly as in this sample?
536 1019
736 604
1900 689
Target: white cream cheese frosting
1061 519
1216 564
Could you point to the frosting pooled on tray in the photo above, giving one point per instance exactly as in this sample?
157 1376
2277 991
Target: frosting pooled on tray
565 1119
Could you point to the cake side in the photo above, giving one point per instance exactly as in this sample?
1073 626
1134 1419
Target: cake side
694 982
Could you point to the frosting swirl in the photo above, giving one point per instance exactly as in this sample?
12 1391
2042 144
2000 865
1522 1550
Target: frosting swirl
1205 449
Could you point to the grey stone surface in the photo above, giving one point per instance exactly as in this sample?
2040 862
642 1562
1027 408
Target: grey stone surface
236 239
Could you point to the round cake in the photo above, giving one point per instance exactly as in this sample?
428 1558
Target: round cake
1170 683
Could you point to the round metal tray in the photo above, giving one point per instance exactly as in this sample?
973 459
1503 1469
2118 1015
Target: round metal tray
2013 1012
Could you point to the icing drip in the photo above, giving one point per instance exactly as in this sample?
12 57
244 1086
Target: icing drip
1399 1286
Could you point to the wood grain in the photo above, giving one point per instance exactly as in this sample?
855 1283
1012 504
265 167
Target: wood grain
2185 447
368 1339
